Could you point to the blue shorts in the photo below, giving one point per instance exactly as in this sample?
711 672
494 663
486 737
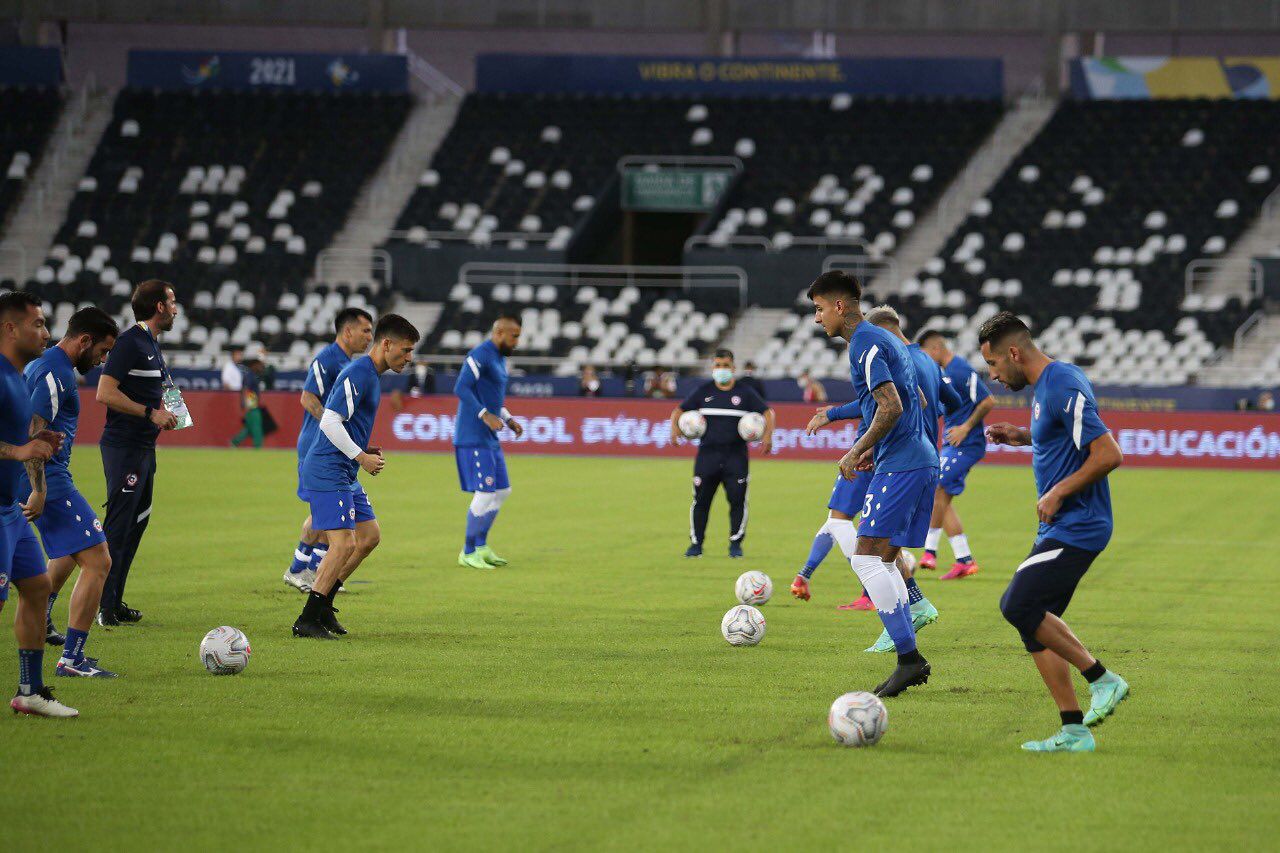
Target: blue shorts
481 469
955 463
302 493
898 505
20 554
848 495
68 525
340 510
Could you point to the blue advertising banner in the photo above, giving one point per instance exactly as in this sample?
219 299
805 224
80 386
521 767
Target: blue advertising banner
964 77
230 69
30 66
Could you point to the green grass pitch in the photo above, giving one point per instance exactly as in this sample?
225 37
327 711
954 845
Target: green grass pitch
582 698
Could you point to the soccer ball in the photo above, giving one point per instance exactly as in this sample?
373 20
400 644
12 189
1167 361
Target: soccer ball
908 558
225 651
751 426
753 588
743 626
692 425
858 719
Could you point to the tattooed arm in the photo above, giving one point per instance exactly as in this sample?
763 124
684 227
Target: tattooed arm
34 506
888 411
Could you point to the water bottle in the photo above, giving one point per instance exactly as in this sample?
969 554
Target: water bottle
173 401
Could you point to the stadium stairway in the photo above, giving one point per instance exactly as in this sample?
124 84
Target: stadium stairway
388 191
1253 362
1231 275
1020 124
44 205
753 328
423 315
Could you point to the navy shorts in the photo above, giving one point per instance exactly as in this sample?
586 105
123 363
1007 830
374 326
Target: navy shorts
848 495
481 469
956 462
20 554
898 505
1044 583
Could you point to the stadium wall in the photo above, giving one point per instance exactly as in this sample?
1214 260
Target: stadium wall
625 427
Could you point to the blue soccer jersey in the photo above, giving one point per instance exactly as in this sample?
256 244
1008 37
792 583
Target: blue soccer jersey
15 429
972 392
940 397
1064 420
877 357
55 396
321 376
354 397
481 388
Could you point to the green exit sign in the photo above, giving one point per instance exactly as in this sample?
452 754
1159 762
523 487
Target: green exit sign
673 190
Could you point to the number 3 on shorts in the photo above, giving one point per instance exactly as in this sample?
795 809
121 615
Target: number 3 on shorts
866 506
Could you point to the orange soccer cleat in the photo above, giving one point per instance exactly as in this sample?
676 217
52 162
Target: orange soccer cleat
960 570
863 603
800 588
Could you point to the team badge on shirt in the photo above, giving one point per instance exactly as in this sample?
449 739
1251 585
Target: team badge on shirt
736 400
1035 410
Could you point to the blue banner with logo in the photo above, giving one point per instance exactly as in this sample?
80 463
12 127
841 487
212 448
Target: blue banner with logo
512 72
230 69
30 66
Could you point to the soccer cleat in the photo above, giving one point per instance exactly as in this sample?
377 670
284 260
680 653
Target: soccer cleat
107 619
693 551
800 588
928 560
41 704
922 613
312 630
904 676
1072 738
473 560
331 623
1107 692
51 635
960 570
127 615
863 603
341 588
86 668
301 581
486 554
735 551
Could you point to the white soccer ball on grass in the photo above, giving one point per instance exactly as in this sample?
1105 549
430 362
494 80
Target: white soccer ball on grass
753 588
743 626
858 719
225 651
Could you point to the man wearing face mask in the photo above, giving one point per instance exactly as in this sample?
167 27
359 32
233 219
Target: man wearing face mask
722 454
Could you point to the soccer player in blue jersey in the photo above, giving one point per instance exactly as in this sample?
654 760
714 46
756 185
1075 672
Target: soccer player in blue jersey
354 329
966 444
1072 452
894 447
22 338
339 507
71 532
482 469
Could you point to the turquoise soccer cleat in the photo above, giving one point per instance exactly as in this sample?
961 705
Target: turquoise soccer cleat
1107 692
486 554
1072 738
922 613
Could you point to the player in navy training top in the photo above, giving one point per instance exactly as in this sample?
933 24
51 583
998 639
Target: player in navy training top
481 390
354 330
722 454
895 510
70 530
1072 452
22 338
338 507
131 387
966 444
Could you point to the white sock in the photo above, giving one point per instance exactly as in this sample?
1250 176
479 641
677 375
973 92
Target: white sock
878 581
899 585
842 530
932 540
960 545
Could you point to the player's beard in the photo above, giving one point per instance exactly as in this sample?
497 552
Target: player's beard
167 323
506 349
85 362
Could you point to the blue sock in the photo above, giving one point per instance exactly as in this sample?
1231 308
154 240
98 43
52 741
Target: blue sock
822 544
30 671
301 558
486 522
474 525
48 614
317 554
898 624
965 560
913 592
74 649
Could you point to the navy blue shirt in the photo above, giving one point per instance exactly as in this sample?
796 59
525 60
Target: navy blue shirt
1064 420
51 382
723 409
138 365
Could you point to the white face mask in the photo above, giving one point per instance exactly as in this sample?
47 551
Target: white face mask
722 375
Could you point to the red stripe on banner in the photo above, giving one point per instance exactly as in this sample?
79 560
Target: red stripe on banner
638 427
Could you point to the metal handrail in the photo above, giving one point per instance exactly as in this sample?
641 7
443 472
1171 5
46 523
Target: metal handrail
465 236
639 161
376 261
1203 270
1271 206
1253 319
486 273
863 262
770 246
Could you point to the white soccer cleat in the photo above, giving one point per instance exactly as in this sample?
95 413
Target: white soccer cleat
301 581
41 704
